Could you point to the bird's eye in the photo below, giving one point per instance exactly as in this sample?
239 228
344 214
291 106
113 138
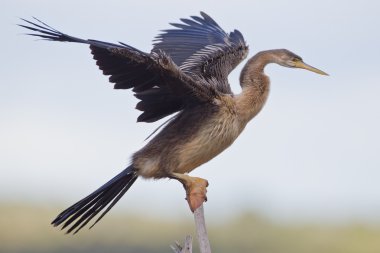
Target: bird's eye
295 59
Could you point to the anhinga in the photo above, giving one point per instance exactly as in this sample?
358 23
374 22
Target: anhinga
184 74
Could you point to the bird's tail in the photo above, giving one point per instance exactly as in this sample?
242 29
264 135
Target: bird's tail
79 214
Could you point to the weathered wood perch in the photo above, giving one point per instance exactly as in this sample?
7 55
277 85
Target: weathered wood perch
186 248
200 226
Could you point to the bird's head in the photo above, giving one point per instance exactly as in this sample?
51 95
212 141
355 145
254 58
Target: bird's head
289 59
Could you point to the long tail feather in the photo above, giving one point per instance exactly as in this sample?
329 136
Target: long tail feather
79 214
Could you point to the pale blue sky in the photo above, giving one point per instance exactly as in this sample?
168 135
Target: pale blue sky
313 152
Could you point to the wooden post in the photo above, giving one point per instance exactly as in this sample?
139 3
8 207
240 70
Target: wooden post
200 227
187 248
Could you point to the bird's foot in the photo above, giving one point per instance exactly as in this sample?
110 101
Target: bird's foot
195 189
196 192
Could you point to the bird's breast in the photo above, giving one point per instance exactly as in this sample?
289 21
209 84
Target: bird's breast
190 140
211 139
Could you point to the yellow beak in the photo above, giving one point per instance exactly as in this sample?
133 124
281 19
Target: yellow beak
302 65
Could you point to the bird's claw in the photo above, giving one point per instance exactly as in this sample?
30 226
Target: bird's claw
196 192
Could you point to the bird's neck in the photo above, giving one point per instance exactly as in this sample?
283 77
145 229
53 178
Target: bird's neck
257 64
255 86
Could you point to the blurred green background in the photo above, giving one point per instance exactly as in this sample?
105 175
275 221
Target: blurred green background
25 229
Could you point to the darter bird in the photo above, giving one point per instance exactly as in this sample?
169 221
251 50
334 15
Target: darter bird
185 74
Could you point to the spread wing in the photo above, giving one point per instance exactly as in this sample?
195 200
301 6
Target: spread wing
203 49
157 81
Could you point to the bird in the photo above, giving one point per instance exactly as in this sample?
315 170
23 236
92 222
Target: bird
185 78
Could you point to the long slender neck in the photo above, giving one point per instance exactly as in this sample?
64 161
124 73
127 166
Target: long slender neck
254 68
255 85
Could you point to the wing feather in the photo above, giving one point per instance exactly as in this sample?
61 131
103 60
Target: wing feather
203 49
170 88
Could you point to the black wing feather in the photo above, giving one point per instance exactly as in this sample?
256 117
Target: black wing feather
129 68
203 49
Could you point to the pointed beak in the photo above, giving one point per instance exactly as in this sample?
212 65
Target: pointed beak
302 65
